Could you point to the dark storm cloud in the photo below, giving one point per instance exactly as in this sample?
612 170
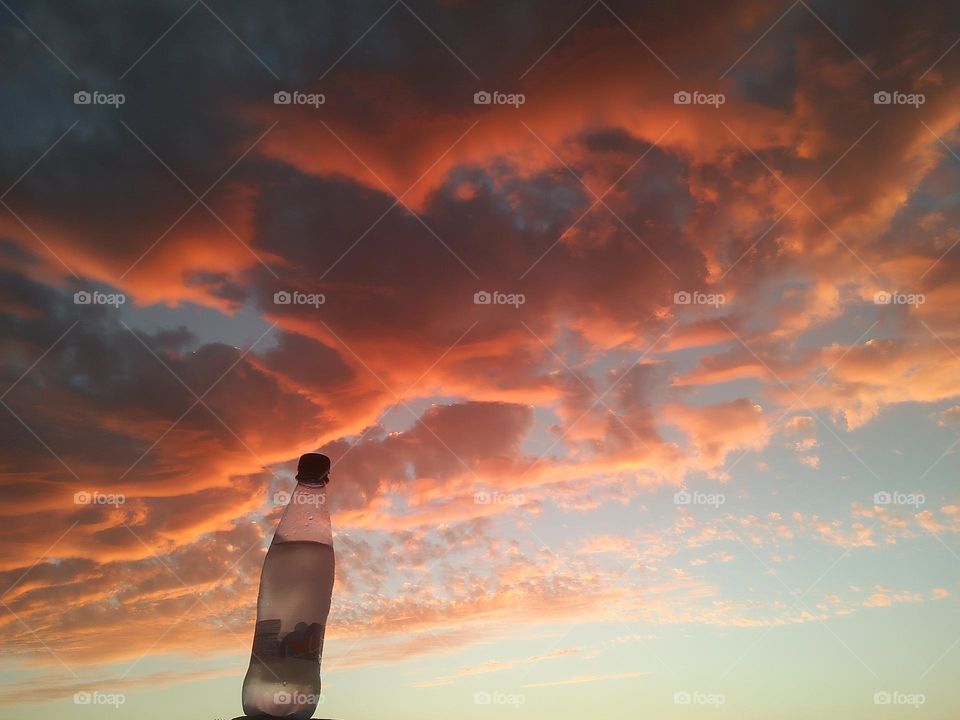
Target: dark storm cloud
100 397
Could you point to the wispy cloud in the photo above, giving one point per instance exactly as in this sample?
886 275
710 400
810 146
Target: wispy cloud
587 679
495 666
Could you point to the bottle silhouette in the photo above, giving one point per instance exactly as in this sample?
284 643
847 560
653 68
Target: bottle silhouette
296 583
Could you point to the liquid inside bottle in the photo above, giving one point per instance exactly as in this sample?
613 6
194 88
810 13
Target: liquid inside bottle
296 585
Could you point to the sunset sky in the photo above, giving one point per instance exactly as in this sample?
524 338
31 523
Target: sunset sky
697 455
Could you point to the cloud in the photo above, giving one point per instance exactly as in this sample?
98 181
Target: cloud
578 679
495 666
50 688
717 430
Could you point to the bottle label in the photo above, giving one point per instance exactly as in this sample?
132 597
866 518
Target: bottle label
304 642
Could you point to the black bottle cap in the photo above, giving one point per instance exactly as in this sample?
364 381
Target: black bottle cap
313 468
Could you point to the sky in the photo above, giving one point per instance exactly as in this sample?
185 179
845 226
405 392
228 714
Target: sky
631 330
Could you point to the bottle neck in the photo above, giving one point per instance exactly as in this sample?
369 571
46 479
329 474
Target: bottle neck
308 486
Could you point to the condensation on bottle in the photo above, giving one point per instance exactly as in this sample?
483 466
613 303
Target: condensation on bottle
296 585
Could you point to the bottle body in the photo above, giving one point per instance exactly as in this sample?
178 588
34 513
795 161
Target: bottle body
296 586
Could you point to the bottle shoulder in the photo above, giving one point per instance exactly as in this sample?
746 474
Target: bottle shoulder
306 517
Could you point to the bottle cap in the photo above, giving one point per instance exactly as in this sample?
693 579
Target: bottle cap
313 468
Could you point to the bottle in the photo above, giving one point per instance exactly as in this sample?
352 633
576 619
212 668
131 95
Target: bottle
296 584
